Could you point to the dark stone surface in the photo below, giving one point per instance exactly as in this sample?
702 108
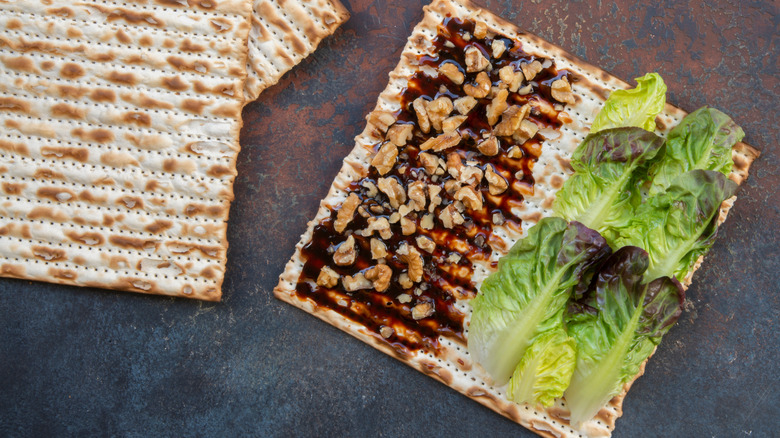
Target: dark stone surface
86 362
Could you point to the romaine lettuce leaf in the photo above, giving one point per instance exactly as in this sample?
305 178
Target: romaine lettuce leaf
679 225
635 107
703 140
532 284
617 327
599 193
545 370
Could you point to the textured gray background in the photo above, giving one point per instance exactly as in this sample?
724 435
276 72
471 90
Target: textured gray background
89 362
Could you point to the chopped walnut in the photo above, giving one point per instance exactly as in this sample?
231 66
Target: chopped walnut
561 91
481 89
379 275
525 132
451 186
530 70
413 259
386 331
363 212
464 104
471 198
470 175
426 243
346 212
382 119
449 217
426 223
385 157
480 29
475 60
393 189
346 253
510 120
327 278
429 162
497 107
453 258
454 164
497 47
381 225
408 226
544 107
378 249
488 146
405 298
416 193
371 189
423 122
356 282
452 72
422 310
433 195
452 123
498 218
441 142
515 152
496 183
400 133
509 78
438 109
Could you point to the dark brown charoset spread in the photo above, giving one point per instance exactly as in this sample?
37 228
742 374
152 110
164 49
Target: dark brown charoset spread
457 158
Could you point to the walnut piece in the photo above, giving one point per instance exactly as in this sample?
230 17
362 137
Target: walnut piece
525 132
422 310
381 225
451 186
454 164
370 187
464 104
480 29
378 249
471 198
386 331
510 78
423 122
416 193
438 109
413 259
510 120
327 278
405 298
426 223
488 146
515 152
405 281
346 253
346 212
429 162
452 123
496 183
441 142
497 107
379 275
393 189
475 60
470 175
356 282
385 157
382 120
408 227
426 243
400 133
561 91
530 70
449 217
497 47
433 195
452 72
481 89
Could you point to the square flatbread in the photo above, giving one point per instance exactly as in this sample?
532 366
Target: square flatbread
285 32
119 130
421 316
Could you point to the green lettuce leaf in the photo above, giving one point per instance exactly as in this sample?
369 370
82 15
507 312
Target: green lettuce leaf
616 329
545 370
600 192
679 225
635 107
532 284
703 140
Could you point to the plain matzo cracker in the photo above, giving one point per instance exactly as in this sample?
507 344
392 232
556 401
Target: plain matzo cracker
285 32
452 366
119 130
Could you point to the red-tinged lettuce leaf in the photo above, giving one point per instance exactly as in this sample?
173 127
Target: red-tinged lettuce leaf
618 325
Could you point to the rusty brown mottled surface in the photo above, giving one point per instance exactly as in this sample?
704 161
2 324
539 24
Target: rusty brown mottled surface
78 362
